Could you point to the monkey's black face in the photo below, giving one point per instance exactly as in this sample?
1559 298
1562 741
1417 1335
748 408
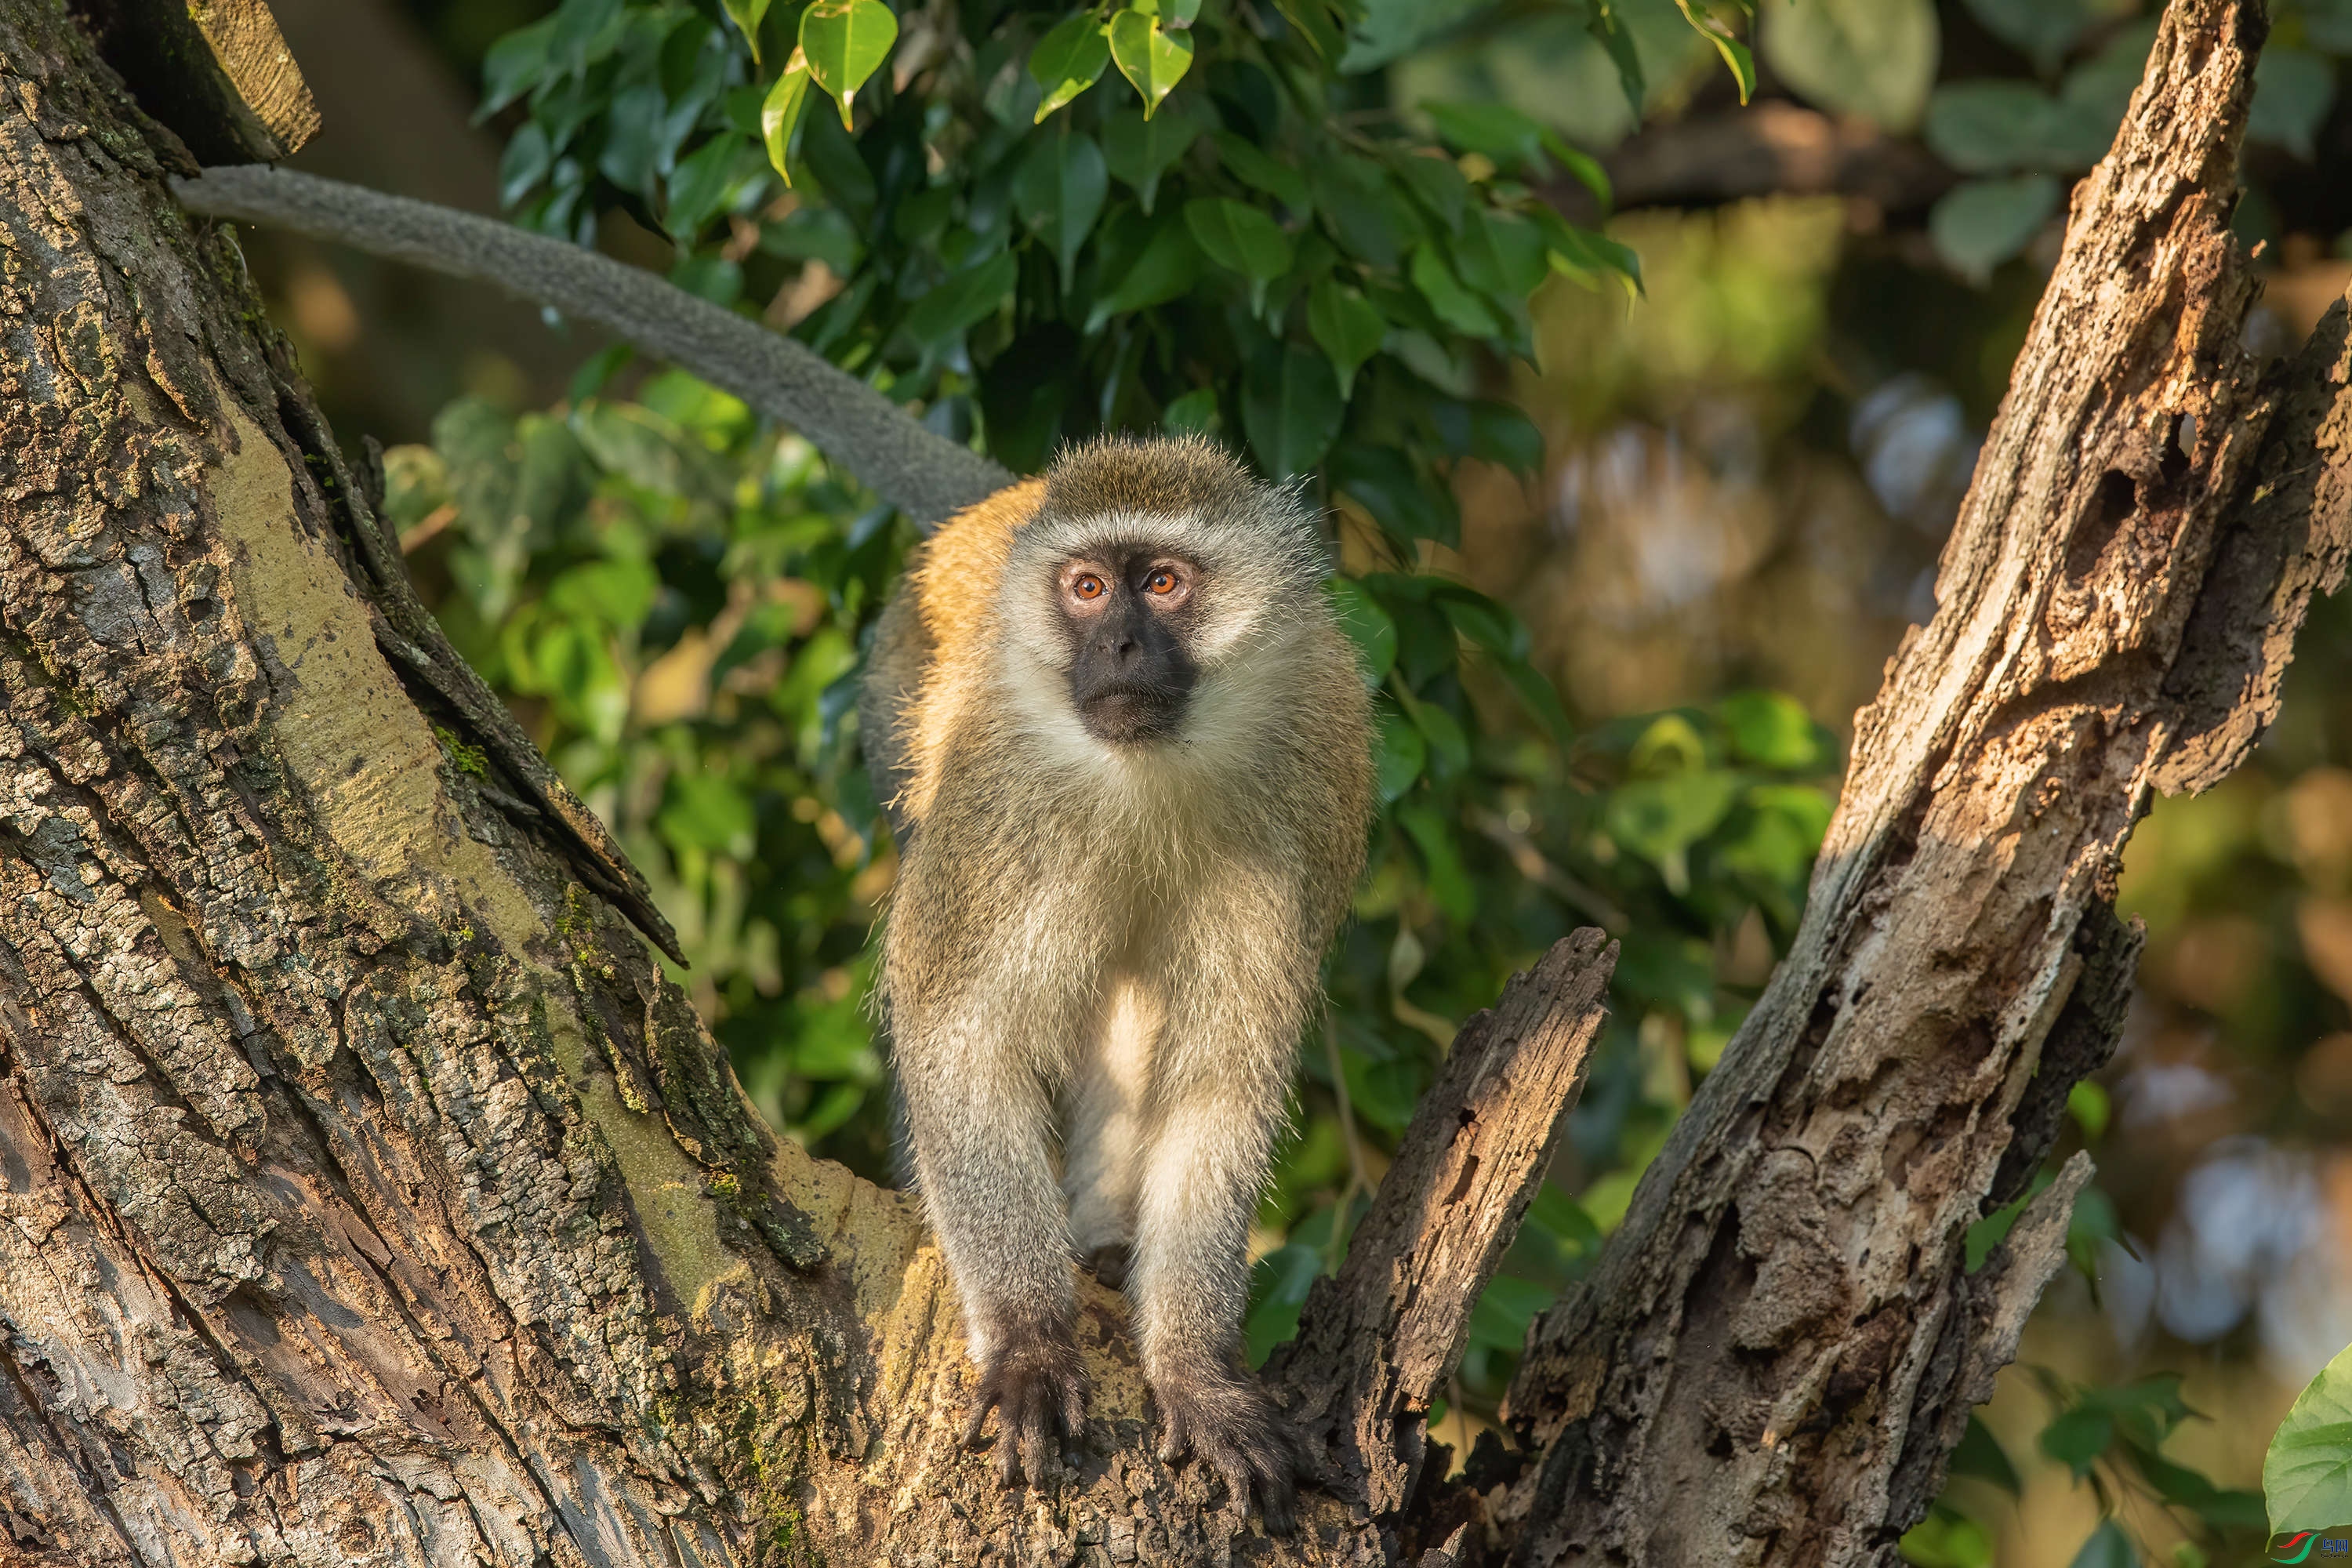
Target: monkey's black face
1130 673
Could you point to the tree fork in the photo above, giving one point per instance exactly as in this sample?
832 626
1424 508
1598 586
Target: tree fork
1777 1352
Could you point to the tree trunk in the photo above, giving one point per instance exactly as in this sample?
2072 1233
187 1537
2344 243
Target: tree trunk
366 1195
1777 1352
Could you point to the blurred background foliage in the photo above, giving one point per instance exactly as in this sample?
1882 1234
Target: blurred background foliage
1622 557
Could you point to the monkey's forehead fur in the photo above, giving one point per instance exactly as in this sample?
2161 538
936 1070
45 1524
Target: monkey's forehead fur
1181 493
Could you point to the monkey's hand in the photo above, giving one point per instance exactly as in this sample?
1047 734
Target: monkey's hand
1227 1420
1031 1381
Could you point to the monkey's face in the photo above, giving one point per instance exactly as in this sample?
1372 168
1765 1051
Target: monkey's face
1127 615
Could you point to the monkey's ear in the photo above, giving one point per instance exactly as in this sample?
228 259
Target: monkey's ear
916 470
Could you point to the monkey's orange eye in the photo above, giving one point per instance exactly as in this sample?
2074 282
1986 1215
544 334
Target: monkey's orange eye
1088 586
1162 581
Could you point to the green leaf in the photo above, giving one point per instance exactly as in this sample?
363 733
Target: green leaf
1059 192
2087 1102
2292 91
746 16
514 65
1362 210
1987 126
1252 167
1872 58
1164 269
2078 1438
1069 59
1769 729
1290 409
1239 237
1193 413
1404 752
1603 20
782 111
1979 223
1980 1454
1140 150
2307 1474
963 300
1947 1539
706 811
2044 30
845 41
1735 53
1449 884
1151 59
1513 138
1439 185
1346 326
2108 1547
1367 625
1455 305
1660 818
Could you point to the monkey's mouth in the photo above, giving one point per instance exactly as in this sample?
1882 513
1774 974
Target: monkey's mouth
1126 714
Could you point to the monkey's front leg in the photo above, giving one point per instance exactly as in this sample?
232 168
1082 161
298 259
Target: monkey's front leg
980 1115
1189 1281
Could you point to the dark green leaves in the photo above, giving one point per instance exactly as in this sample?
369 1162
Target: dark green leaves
1140 150
962 300
1059 194
1239 238
1291 409
1346 326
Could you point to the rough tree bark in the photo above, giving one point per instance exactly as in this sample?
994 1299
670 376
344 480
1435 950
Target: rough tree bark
367 1196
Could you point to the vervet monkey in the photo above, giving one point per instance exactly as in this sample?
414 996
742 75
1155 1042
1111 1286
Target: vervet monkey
1128 754
1129 760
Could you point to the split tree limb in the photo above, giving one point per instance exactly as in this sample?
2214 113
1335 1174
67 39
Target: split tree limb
1377 1341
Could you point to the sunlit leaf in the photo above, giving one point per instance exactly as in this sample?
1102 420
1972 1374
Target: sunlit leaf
746 16
1069 59
1152 58
781 111
2307 1473
845 41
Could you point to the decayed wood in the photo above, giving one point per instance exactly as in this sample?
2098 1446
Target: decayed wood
1377 1341
217 73
1774 1354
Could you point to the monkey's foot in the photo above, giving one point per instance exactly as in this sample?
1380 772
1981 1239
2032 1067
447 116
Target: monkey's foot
1110 1264
1229 1422
1033 1382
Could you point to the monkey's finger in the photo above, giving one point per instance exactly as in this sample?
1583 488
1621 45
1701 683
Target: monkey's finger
1277 1500
983 1402
1037 1438
1074 1406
